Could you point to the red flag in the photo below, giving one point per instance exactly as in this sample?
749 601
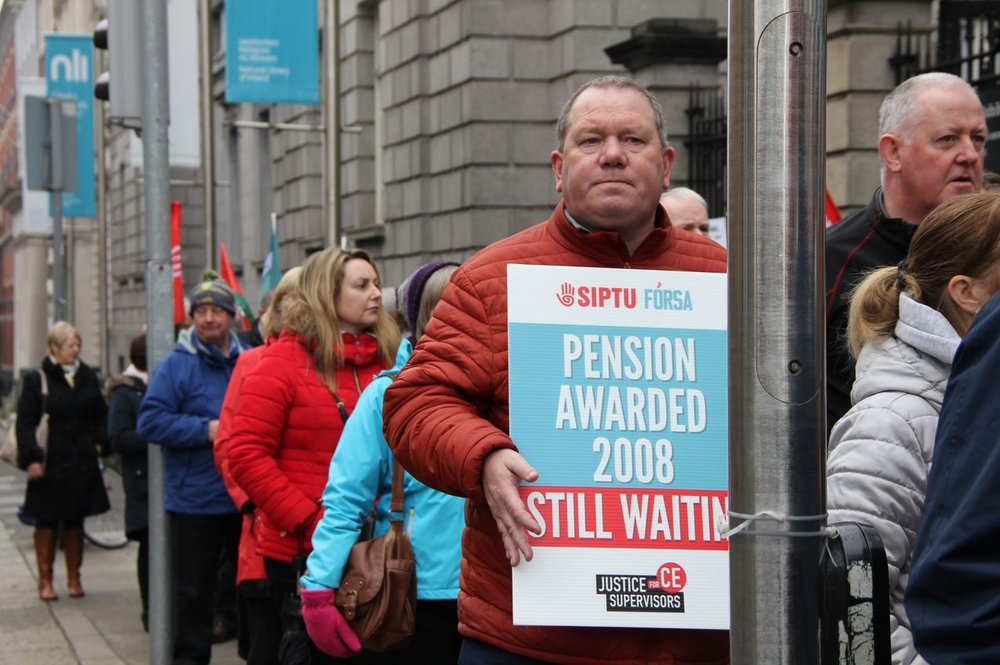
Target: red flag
175 262
234 284
832 212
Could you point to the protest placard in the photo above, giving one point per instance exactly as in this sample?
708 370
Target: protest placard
619 398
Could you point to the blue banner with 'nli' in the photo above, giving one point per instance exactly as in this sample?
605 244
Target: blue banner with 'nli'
69 74
272 52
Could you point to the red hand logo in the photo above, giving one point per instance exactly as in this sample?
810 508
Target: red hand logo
566 294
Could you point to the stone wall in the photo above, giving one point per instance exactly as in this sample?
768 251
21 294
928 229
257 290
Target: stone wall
447 121
459 103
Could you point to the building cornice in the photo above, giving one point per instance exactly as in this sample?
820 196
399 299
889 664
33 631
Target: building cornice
670 41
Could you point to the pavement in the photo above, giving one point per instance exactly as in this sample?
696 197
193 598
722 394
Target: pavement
103 628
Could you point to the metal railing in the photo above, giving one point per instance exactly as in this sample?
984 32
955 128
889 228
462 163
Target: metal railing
706 144
965 42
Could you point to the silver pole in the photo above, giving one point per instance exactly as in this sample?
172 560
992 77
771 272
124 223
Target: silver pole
331 121
207 128
56 185
281 126
777 54
102 239
159 300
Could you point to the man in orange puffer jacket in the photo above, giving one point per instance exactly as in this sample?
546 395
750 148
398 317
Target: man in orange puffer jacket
446 415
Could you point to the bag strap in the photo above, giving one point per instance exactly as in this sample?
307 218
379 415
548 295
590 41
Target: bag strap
396 505
45 387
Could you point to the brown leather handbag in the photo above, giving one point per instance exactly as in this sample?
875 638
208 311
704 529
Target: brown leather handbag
8 450
378 591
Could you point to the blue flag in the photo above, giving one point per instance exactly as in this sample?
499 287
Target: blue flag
272 262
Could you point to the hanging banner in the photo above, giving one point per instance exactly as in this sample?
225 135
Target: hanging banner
69 74
619 399
180 315
272 52
35 217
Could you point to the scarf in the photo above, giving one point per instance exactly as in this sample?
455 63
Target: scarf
69 371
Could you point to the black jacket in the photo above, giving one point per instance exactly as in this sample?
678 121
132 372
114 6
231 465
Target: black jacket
73 486
126 394
251 338
861 242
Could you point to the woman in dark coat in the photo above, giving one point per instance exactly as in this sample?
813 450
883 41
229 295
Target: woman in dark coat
126 393
64 484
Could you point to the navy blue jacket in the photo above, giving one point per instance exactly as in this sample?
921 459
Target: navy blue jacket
126 394
185 394
953 599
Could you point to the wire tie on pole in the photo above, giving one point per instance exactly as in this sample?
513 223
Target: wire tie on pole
726 530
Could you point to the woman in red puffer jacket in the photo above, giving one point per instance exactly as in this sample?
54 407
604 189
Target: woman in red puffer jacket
294 404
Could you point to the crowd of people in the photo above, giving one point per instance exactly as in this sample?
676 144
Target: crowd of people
908 278
279 449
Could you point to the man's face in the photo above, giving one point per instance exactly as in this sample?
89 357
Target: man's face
686 214
613 166
212 324
943 156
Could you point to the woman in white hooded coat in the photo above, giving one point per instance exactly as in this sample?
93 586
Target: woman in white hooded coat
905 324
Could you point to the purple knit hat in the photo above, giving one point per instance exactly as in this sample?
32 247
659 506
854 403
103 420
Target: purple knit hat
412 290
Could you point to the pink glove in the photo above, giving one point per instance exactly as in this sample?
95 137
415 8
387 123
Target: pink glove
327 627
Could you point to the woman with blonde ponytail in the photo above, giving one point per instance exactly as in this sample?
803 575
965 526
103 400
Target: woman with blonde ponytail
294 404
905 324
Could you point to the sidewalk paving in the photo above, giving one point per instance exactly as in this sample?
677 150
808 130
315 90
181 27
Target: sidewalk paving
103 628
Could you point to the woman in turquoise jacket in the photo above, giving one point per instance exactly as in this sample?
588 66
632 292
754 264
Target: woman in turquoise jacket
360 472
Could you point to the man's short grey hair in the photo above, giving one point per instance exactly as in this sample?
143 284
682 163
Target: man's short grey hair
684 193
900 111
610 81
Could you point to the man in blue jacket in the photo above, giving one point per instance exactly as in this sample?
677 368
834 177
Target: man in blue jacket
953 597
181 413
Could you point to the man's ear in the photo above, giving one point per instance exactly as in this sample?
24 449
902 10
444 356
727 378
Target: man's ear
669 155
888 151
557 165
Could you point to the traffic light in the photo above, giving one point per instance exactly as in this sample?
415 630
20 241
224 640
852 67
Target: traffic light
119 84
102 83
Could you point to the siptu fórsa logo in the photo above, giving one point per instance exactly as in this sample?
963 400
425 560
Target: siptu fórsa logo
618 297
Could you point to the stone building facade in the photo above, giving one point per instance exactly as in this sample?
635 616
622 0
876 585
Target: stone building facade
26 290
10 197
444 123
458 100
